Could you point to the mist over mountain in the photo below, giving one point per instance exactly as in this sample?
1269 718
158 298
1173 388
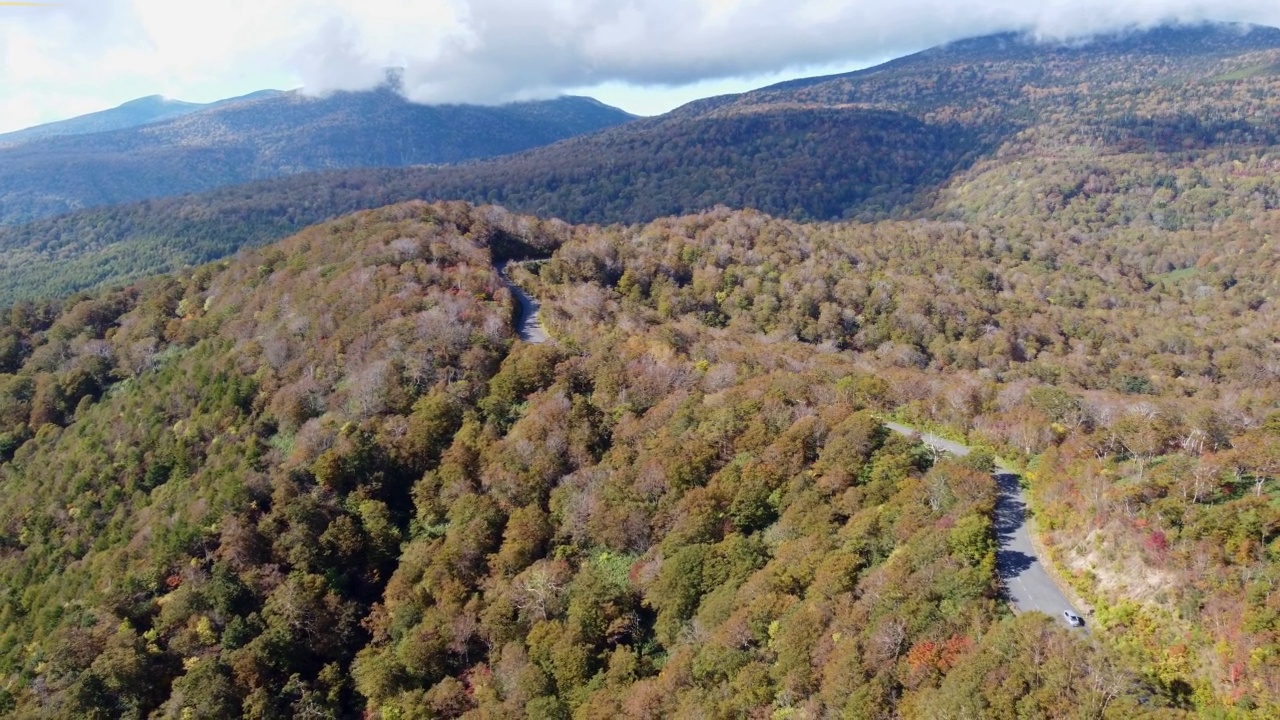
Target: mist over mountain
268 136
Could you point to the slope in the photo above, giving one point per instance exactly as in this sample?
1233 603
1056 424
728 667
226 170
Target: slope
142 111
321 480
278 135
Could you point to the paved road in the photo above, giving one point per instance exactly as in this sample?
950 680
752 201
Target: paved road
529 323
1026 583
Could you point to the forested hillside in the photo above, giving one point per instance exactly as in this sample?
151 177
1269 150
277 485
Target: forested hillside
1143 389
271 136
228 494
268 502
1168 129
320 476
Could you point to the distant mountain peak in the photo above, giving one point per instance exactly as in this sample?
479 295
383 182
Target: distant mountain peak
156 101
1173 40
134 113
257 138
1169 37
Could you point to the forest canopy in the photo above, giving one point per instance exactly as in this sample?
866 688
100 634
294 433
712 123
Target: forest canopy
325 479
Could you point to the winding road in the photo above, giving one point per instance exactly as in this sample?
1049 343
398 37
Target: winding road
529 322
1027 584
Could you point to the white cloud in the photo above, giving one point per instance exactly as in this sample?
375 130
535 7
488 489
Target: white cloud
91 53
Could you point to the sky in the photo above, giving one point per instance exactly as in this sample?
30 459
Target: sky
646 56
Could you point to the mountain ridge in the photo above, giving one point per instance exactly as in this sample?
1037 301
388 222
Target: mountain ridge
789 154
134 113
280 134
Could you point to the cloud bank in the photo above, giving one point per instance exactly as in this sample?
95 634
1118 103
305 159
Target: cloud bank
490 51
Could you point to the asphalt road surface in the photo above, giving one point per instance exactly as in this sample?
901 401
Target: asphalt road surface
529 323
1026 583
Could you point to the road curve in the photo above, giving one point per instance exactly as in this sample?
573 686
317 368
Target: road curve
529 321
1026 583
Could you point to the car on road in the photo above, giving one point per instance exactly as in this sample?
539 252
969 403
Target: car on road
1073 619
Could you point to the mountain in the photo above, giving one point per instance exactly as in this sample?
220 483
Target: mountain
985 128
321 476
142 111
323 479
281 134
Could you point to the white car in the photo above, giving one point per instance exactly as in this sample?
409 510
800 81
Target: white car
1073 619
